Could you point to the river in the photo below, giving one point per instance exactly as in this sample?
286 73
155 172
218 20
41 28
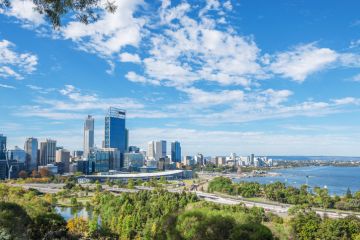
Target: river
71 212
335 179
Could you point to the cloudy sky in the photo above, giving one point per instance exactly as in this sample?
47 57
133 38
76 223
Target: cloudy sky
248 76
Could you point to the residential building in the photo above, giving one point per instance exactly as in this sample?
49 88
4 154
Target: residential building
47 152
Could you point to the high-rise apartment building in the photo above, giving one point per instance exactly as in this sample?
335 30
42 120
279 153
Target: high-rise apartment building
31 148
115 133
88 135
2 147
175 152
47 152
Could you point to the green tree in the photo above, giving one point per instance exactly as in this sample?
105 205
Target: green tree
84 10
14 221
348 193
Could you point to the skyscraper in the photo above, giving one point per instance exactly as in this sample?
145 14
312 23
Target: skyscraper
115 134
175 152
63 157
31 149
47 152
160 149
2 147
88 135
126 139
151 150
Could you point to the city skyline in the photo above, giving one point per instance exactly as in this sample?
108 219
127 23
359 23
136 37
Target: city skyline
217 76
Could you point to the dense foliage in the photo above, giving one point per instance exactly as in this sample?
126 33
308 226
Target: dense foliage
307 225
26 215
279 192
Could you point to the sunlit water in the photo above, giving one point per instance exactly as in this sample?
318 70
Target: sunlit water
336 179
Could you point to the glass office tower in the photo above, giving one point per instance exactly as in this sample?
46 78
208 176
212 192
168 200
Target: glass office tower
175 152
115 133
2 147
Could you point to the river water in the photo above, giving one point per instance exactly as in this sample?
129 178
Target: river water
70 212
335 179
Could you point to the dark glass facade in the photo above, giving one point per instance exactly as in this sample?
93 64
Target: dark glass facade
115 132
2 147
175 152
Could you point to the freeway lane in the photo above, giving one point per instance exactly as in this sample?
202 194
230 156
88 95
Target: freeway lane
280 209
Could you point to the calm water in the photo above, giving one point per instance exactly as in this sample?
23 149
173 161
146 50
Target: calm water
336 179
70 212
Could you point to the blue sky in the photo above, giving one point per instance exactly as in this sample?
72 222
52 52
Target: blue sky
270 78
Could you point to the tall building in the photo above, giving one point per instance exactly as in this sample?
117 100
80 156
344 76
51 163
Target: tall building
63 157
126 139
105 159
160 149
17 154
2 147
175 152
88 135
151 150
31 148
47 152
199 159
115 134
133 161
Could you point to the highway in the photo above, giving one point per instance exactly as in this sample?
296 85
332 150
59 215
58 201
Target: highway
279 209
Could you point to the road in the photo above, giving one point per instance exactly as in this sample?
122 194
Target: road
279 209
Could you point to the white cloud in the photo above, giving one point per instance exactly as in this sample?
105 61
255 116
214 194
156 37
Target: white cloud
220 142
7 86
228 5
39 89
191 50
200 98
347 101
111 69
14 64
354 43
111 32
356 78
128 57
134 77
25 11
302 61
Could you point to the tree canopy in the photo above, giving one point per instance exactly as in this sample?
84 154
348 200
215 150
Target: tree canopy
85 11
